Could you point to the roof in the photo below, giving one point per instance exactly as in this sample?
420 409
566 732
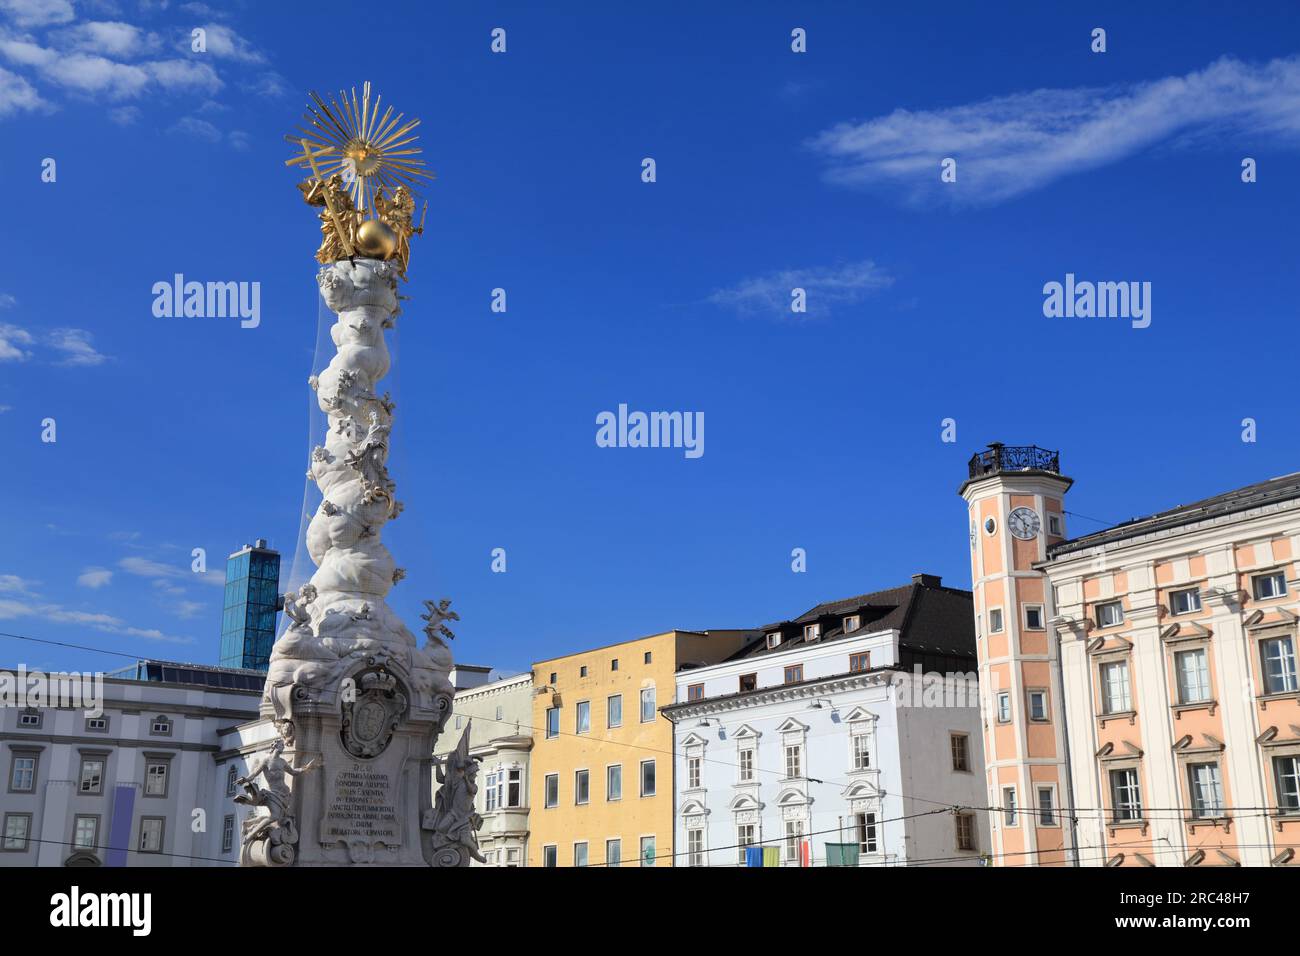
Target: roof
1285 488
929 617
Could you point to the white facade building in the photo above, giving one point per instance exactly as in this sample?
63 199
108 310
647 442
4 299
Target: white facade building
820 732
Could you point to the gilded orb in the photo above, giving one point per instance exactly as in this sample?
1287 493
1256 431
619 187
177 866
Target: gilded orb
375 240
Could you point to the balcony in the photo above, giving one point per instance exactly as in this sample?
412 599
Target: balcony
999 458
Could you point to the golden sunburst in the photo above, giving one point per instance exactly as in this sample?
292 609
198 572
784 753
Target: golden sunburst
366 149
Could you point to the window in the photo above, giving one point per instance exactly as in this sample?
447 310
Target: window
773 639
959 744
514 787
744 838
614 782
1033 617
228 833
990 525
552 681
231 776
692 773
793 833
1046 807
1110 614
1286 774
552 722
966 831
1206 787
29 718
1278 655
151 834
1054 525
865 824
852 623
92 775
85 832
811 632
1038 705
794 673
155 778
1009 805
613 664
861 751
648 657
22 779
793 761
614 711
647 704
582 786
1268 586
648 851
695 692
859 662
551 797
500 711
1115 696
1193 673
160 727
17 828
583 712
695 847
1126 797
1004 707
512 856
746 764
647 778
748 682
613 852
492 792
1185 602
995 620
580 853
582 671
550 855
460 721
97 724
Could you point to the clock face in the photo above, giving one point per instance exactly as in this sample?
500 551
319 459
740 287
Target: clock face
1024 523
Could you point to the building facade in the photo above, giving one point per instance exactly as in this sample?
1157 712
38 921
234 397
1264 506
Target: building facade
136 785
252 600
602 762
1014 498
498 716
1178 637
854 727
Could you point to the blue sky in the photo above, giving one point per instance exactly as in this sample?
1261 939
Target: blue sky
774 169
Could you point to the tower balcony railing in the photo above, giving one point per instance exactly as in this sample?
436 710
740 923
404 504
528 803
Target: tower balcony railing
998 458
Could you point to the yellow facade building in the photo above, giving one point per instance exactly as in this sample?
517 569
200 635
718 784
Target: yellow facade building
602 787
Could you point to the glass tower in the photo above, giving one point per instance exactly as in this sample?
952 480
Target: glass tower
252 602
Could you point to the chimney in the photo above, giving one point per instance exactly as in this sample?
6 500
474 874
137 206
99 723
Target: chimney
927 580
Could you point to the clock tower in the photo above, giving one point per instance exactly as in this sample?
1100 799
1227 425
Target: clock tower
1015 509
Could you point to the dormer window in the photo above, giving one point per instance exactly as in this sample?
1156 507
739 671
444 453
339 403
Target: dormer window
773 639
852 623
811 632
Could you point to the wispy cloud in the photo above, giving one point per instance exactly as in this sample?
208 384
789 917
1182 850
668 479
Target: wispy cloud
827 287
13 584
74 347
224 43
99 621
17 95
108 38
1009 145
95 578
13 343
38 13
146 568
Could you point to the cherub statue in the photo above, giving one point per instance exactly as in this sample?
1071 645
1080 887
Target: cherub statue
295 605
438 614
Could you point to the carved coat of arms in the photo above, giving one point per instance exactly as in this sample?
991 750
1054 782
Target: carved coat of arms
373 713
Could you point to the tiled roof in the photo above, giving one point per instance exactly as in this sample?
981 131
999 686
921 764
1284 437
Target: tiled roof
1241 499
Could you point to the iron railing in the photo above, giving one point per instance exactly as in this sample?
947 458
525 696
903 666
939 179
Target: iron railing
1001 457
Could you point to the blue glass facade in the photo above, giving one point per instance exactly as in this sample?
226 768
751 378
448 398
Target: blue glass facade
248 618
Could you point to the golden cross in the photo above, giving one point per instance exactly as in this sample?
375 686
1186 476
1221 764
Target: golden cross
329 202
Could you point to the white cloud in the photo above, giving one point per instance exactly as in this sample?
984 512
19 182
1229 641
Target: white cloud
38 13
145 568
109 38
224 43
826 287
7 301
93 74
198 128
187 609
124 115
13 584
76 348
184 76
16 94
98 621
1013 144
95 577
12 340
